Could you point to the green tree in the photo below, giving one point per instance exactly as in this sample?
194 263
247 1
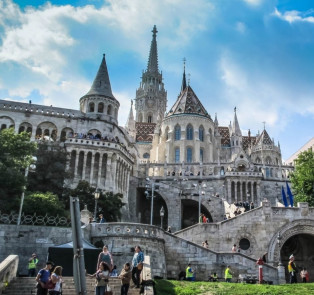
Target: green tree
302 179
16 152
109 204
50 169
42 204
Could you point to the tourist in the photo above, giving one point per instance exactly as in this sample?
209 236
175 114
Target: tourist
200 220
189 273
205 244
213 277
114 272
105 256
137 266
56 276
32 264
42 278
169 229
101 219
304 275
228 274
292 269
234 248
204 219
102 278
125 277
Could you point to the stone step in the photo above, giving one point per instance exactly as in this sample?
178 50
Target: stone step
24 285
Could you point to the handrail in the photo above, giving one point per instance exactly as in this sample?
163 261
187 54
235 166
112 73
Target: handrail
8 270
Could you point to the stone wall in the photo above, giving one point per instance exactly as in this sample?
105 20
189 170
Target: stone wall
24 240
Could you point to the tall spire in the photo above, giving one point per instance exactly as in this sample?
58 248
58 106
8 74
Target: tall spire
235 127
101 84
130 123
152 65
183 78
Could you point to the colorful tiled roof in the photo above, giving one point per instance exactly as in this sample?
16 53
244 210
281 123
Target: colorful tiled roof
144 132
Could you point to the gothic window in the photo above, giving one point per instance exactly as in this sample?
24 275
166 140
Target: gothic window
201 155
21 129
210 134
267 172
91 108
189 155
258 160
177 133
177 155
149 119
109 110
100 107
189 132
268 161
140 118
146 156
3 126
201 133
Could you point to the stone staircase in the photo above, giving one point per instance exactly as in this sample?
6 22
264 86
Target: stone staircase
24 285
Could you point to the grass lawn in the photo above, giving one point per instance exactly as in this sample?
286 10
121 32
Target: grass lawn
165 287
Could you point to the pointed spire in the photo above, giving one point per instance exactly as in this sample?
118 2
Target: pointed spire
183 78
216 120
235 127
130 123
152 65
101 84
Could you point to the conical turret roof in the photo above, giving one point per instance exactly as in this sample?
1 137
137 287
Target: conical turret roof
264 139
188 103
235 126
101 84
152 65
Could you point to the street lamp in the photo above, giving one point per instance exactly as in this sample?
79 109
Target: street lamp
31 167
199 185
162 214
278 242
148 183
96 195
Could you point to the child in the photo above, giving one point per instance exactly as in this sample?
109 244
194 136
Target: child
102 277
125 276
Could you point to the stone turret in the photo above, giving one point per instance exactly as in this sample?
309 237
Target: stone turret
99 102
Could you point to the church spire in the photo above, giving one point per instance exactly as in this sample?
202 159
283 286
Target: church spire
152 65
235 127
130 123
183 78
101 84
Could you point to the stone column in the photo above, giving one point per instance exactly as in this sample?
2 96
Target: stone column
228 192
84 165
281 274
98 181
92 169
76 162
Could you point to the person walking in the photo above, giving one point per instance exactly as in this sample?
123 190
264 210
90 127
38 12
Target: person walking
102 278
189 273
42 278
304 275
56 276
32 264
125 276
105 256
228 274
137 266
292 269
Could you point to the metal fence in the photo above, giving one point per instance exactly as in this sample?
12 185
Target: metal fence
35 219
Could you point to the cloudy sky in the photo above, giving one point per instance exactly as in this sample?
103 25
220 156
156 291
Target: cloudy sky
257 55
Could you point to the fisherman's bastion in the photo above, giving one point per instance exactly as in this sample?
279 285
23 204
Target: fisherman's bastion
189 163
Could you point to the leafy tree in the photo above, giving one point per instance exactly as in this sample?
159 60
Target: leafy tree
302 179
42 204
50 169
16 152
109 204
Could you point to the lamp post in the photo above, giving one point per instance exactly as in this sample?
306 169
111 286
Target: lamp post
162 214
199 185
152 184
30 167
96 195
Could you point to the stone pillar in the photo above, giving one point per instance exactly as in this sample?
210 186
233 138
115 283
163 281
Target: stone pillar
229 192
84 165
77 155
281 274
92 169
98 181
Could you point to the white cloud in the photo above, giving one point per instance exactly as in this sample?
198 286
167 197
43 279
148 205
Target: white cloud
253 2
294 16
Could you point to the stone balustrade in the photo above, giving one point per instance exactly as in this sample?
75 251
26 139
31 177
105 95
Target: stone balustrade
8 270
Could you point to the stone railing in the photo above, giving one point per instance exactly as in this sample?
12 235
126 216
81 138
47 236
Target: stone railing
8 270
100 143
34 220
126 229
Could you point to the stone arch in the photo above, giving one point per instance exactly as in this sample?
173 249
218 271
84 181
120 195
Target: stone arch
94 134
25 126
46 131
101 107
296 227
91 107
65 133
6 122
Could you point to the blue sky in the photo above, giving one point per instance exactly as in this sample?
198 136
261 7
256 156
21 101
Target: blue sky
257 55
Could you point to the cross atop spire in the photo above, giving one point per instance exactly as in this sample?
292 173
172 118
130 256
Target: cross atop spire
152 65
264 124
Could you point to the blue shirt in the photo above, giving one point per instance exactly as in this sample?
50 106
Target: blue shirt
44 275
137 258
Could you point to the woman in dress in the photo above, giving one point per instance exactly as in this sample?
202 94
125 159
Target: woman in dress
105 256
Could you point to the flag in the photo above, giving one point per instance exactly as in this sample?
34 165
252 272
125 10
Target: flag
284 198
290 195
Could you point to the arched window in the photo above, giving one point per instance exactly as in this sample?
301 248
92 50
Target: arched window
91 108
100 107
146 156
201 155
21 129
109 110
268 160
267 172
258 160
201 133
177 133
149 119
189 155
189 132
140 118
177 155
